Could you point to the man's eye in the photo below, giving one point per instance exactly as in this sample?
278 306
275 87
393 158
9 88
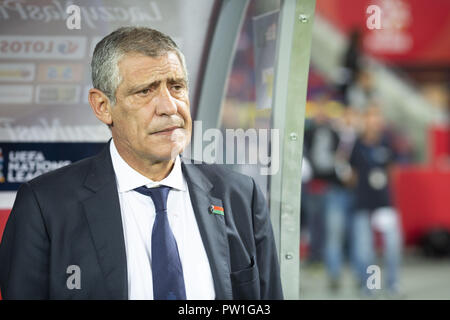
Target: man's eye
177 87
144 92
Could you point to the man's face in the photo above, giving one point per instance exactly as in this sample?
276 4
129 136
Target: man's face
151 118
374 120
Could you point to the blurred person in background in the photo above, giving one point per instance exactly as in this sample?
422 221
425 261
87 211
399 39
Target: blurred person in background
371 160
327 201
438 95
360 94
351 64
319 142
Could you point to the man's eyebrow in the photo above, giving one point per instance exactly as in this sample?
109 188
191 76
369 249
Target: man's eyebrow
139 87
177 80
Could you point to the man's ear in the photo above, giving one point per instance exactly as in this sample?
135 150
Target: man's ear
101 106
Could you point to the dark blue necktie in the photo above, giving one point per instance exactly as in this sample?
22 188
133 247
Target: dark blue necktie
167 272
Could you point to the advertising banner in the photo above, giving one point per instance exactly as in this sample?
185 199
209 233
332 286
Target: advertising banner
21 162
45 118
410 31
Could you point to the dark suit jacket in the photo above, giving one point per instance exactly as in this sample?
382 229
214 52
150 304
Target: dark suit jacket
71 216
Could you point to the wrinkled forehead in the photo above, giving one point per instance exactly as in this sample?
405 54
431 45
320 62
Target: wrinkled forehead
136 67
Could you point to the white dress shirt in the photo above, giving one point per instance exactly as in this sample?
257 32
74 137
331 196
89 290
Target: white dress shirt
138 215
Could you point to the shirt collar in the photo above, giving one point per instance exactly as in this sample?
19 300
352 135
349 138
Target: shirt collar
128 179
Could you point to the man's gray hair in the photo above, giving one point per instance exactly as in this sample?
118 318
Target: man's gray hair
108 52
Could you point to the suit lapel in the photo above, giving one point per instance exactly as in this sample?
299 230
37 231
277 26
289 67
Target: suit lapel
212 229
103 214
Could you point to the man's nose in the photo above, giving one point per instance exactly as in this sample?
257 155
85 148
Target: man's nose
165 103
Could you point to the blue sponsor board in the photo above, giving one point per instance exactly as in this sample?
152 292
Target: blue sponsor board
21 162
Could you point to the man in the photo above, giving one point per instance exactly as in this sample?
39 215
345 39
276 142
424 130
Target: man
372 159
136 221
327 199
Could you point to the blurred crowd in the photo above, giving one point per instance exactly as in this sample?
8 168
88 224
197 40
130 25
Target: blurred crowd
346 198
349 152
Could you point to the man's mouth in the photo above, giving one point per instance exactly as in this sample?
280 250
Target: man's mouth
166 131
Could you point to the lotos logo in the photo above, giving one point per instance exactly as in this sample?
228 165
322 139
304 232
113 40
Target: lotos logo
42 47
67 47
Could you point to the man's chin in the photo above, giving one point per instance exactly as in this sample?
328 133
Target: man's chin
167 155
166 148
